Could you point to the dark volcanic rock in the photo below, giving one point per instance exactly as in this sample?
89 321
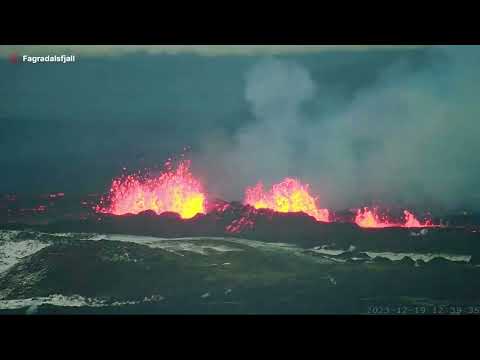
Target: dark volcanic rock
99 268
440 262
151 213
475 259
237 220
407 261
381 260
256 224
247 279
420 262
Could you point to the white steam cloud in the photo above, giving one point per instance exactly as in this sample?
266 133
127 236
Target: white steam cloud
412 137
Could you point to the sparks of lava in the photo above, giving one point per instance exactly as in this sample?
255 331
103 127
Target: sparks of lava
174 190
371 218
239 225
290 195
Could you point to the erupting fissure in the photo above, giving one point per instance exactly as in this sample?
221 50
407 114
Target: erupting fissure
290 195
174 190
371 218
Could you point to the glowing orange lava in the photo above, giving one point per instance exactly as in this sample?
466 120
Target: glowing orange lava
290 195
371 218
174 190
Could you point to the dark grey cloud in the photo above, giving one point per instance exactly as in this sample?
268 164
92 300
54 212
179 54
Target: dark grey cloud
204 50
356 125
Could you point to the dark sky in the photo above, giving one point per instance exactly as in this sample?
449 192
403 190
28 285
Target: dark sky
72 127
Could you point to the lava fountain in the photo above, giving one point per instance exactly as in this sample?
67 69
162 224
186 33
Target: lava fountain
290 195
174 190
371 218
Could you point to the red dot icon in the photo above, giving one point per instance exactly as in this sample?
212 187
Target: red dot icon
13 58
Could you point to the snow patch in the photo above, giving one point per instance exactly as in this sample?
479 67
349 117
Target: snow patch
417 256
69 301
11 252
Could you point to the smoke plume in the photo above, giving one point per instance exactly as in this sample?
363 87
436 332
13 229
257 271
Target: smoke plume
411 137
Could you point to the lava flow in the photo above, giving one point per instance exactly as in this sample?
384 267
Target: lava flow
174 190
371 218
290 195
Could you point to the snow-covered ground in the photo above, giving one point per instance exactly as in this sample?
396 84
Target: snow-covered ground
12 252
69 301
172 245
416 256
16 245
396 256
